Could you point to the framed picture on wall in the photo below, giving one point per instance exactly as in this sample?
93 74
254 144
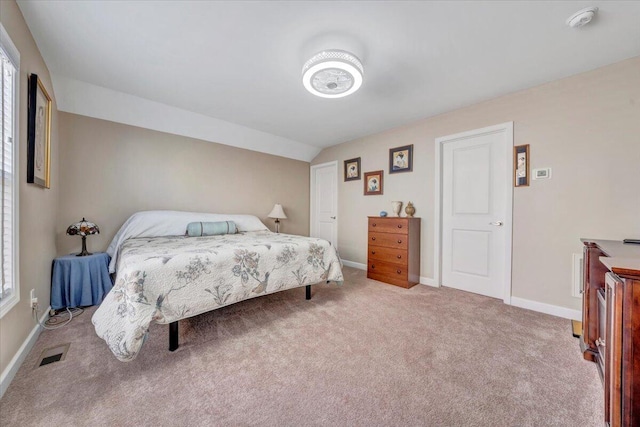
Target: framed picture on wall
38 133
521 165
373 183
352 169
401 159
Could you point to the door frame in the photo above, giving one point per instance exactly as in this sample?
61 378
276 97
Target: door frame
312 185
507 128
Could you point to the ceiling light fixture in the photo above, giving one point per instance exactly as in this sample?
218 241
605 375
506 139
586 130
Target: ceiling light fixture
332 74
582 17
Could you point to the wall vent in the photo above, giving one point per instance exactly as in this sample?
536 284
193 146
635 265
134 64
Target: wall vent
576 289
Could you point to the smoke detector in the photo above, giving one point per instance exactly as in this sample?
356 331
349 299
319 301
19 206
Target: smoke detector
582 17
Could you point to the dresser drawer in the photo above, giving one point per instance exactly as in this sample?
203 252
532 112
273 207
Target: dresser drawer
388 269
392 255
398 241
389 225
403 283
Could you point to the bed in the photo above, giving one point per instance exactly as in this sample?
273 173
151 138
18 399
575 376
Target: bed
164 276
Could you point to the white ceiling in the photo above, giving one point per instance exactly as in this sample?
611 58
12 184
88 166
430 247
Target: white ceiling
240 62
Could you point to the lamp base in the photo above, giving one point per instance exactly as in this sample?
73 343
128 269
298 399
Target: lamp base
277 226
84 247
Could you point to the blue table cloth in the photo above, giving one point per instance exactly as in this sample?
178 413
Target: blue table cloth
80 281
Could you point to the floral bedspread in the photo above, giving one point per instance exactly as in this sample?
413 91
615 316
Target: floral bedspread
165 279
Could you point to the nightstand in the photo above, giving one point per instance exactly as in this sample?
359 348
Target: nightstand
80 281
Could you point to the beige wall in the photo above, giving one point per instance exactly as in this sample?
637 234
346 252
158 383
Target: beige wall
38 207
110 170
586 128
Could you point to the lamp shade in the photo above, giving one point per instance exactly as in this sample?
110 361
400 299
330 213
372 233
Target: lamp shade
277 212
83 228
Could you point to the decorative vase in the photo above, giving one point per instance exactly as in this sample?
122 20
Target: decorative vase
410 210
383 213
396 207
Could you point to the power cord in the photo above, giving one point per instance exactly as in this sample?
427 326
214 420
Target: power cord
53 321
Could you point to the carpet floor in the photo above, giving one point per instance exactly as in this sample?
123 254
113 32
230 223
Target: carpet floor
362 354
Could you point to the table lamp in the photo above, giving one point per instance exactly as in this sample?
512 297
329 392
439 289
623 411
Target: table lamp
83 228
278 213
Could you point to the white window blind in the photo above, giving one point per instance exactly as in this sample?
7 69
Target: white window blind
9 293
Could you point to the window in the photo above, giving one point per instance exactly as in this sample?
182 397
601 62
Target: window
9 74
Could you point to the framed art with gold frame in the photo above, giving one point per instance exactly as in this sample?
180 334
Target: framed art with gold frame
38 134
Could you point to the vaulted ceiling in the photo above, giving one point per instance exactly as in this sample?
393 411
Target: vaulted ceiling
230 72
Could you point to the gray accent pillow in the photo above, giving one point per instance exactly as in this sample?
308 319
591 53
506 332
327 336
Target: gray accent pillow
195 229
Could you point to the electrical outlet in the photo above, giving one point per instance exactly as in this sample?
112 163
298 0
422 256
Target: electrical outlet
34 299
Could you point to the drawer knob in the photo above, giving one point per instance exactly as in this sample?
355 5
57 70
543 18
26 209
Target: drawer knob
399 241
373 252
399 256
398 271
373 266
399 225
373 225
373 238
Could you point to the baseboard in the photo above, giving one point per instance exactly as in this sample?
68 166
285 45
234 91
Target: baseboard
352 264
428 281
12 368
541 307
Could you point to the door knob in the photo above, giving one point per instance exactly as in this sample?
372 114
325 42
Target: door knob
333 217
497 223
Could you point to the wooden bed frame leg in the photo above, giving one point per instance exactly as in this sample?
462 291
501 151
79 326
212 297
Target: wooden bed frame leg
173 336
308 292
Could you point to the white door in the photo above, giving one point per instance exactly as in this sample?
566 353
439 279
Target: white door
476 200
324 202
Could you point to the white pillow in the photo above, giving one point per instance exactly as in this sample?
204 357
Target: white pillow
171 223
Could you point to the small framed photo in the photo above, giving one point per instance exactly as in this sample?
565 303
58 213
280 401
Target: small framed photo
38 133
352 169
521 165
401 159
373 183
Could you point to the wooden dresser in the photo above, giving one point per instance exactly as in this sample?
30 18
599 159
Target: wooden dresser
611 325
394 250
